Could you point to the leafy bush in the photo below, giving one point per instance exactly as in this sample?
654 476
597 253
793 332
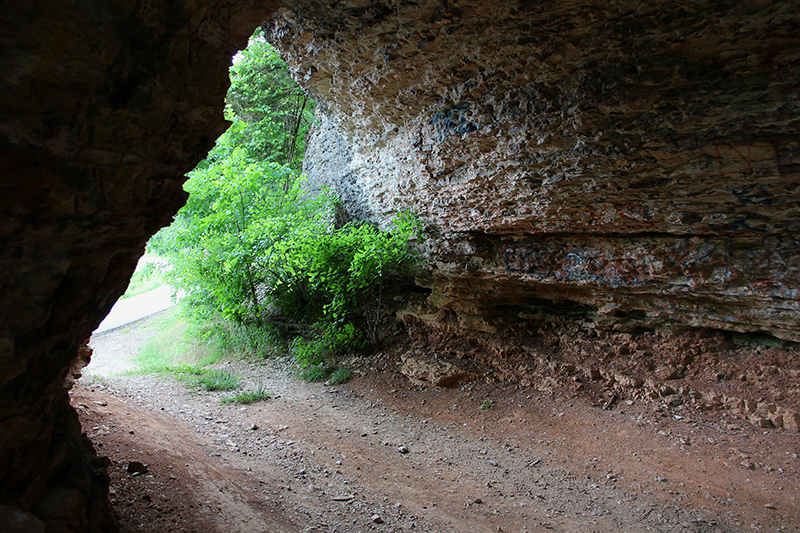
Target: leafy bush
335 276
244 196
251 236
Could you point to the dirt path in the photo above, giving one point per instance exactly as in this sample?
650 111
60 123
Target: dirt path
379 454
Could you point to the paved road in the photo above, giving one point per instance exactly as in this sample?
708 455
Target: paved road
132 309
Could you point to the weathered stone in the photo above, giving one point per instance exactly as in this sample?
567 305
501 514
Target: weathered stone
428 370
651 182
136 468
776 419
751 406
760 421
791 421
673 400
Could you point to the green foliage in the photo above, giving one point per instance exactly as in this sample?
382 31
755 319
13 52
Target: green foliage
213 380
270 112
321 372
187 372
310 353
332 276
487 404
251 236
250 396
339 376
321 348
231 340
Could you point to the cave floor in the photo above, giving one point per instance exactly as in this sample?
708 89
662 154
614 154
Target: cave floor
381 454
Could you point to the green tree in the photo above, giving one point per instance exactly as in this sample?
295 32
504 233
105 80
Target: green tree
270 112
250 235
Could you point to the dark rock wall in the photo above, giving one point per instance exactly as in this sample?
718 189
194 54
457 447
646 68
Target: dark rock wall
104 105
628 164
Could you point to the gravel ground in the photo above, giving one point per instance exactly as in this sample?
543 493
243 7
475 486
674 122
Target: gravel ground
380 454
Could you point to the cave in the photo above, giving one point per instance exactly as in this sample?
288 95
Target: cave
621 165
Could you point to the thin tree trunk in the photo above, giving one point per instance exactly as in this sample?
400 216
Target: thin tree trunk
296 132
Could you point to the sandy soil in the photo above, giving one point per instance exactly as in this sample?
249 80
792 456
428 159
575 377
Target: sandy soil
383 454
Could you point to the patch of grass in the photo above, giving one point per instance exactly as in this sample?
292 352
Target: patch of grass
185 372
207 378
315 373
166 347
250 396
214 380
146 277
242 341
339 376
175 342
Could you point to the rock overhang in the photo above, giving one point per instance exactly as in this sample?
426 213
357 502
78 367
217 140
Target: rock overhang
638 161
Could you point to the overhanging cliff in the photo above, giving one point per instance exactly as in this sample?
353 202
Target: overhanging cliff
628 165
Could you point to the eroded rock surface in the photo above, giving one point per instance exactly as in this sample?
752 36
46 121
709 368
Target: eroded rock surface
627 164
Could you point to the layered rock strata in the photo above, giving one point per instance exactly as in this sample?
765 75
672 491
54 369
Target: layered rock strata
104 106
624 164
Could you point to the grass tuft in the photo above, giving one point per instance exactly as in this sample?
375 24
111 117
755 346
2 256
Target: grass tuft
339 376
250 396
214 380
315 373
206 378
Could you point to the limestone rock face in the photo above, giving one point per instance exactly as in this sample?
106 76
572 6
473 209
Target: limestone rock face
625 164
104 105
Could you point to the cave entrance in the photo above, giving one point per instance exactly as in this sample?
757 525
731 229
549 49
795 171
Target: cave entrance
246 191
